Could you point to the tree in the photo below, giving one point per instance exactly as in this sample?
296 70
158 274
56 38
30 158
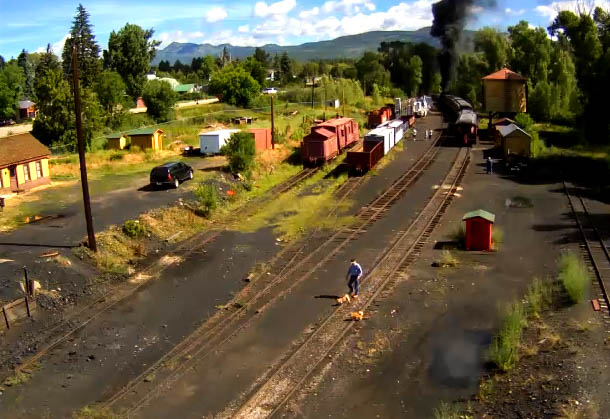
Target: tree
87 50
467 82
165 66
234 86
2 62
240 150
159 98
12 82
435 83
531 51
261 56
110 91
494 46
413 76
256 70
208 66
25 62
371 71
286 68
129 53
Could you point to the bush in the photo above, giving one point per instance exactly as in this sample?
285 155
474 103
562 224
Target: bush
537 146
504 349
497 236
459 236
538 296
574 276
159 98
207 198
240 150
524 121
133 229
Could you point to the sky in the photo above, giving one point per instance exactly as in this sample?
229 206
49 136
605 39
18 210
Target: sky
254 23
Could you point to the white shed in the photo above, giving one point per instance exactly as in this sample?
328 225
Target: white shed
384 134
211 142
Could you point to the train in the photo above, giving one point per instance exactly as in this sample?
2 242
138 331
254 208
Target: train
463 120
327 139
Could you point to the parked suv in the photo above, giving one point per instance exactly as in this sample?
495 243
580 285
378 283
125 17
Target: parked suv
171 173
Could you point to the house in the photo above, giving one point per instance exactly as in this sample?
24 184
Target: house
24 163
27 110
514 141
185 88
504 92
335 103
262 138
146 138
478 229
172 82
211 142
499 123
117 141
270 75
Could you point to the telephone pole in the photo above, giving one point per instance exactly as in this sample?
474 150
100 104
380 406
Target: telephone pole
312 87
272 125
81 150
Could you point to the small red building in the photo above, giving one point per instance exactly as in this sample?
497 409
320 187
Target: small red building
262 138
478 229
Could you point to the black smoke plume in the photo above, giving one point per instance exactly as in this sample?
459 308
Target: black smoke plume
450 17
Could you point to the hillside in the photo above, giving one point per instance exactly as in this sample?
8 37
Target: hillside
352 46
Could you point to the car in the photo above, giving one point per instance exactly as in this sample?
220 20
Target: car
6 122
171 173
269 90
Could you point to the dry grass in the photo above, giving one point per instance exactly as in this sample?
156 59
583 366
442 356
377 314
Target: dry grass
94 412
166 222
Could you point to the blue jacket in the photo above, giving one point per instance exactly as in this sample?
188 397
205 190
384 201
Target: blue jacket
355 270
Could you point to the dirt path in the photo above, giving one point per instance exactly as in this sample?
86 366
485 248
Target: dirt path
15 129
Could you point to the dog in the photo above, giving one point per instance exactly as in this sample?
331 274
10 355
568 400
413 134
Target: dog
357 315
345 299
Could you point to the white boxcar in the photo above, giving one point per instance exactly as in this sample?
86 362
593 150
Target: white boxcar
211 142
382 134
398 126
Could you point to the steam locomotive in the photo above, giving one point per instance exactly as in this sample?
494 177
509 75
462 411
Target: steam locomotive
464 122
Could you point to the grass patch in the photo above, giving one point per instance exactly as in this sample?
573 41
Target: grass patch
134 229
539 296
95 412
574 276
504 349
20 377
447 260
458 236
207 198
165 223
450 411
115 251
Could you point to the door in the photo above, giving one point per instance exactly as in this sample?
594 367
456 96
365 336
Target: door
13 175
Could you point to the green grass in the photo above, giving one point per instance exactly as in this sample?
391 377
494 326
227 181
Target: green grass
574 276
539 296
450 411
459 236
94 412
497 236
505 345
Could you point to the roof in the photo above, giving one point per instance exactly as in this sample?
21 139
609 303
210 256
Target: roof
504 74
335 122
481 214
116 135
143 131
322 131
506 130
24 104
21 148
504 121
184 87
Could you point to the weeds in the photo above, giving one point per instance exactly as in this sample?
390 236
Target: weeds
95 412
447 260
539 296
574 276
207 198
504 349
449 411
459 236
18 378
497 237
133 229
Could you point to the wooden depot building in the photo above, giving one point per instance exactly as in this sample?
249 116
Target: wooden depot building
24 163
504 93
142 137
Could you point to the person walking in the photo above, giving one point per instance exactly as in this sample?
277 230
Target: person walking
489 165
354 273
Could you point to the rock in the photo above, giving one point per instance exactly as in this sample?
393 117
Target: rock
91 357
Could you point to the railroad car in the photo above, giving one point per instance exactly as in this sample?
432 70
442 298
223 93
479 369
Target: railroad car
384 135
328 139
466 126
399 126
380 116
362 160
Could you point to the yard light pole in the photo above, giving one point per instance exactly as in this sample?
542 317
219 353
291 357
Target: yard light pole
272 125
81 150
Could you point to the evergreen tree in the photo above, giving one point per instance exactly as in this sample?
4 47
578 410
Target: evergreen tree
2 62
286 68
87 50
26 64
261 56
12 81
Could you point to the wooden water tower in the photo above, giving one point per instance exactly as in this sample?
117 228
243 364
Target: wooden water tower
504 93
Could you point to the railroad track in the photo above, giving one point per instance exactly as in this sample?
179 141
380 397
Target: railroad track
594 249
292 373
217 331
107 301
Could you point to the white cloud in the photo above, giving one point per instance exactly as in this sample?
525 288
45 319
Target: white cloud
262 9
216 14
306 14
243 29
512 12
348 7
551 10
58 47
227 37
167 38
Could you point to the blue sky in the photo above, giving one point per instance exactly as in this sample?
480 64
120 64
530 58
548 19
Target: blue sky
285 22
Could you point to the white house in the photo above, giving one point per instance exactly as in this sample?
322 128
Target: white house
211 142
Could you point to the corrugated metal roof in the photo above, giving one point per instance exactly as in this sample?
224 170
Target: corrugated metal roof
504 74
115 135
506 130
184 87
21 148
143 131
219 131
486 215
323 132
24 104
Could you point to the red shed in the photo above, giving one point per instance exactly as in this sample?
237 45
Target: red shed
478 229
262 138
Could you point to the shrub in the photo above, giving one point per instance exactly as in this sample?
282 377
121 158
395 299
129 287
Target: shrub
573 275
240 150
524 121
160 98
207 198
447 411
538 296
133 228
497 236
459 236
116 155
504 349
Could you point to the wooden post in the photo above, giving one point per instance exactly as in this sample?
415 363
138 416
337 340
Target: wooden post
343 100
272 125
27 306
8 326
312 87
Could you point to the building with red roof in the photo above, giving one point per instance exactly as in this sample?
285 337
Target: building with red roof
504 92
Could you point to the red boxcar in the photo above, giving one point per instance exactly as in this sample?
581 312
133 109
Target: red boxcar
363 160
328 139
379 116
262 138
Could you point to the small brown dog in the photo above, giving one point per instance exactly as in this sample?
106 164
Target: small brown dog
345 299
357 315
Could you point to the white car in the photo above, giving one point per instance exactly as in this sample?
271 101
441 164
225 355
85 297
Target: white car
269 90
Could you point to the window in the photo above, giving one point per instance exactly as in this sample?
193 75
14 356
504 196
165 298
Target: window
26 172
38 169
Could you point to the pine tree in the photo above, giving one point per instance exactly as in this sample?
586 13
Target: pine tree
24 61
88 51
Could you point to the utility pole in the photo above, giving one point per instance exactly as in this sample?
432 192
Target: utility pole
81 150
312 86
343 100
272 125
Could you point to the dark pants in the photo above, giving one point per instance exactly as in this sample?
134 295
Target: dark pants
353 284
489 165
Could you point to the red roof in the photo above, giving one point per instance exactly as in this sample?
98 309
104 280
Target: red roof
323 132
335 122
504 74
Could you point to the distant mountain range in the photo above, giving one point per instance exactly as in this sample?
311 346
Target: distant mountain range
351 46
